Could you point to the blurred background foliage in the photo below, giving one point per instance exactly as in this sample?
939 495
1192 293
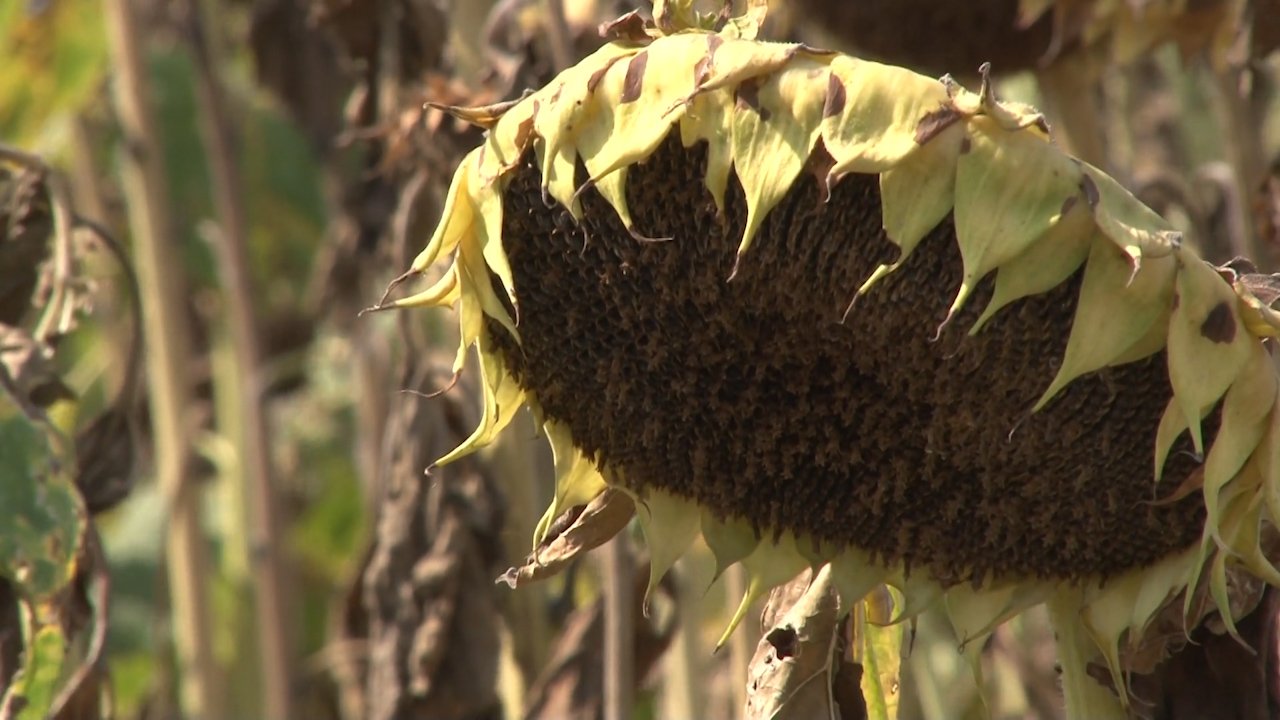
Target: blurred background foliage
330 178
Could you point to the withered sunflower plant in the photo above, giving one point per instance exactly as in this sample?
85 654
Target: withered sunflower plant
1030 34
823 311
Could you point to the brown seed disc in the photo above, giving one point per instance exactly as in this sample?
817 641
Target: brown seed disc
934 36
752 398
1266 27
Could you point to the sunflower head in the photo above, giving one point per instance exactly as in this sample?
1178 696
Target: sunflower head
823 311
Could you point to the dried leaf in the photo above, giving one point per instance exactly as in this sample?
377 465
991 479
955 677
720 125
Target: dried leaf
791 674
424 602
585 528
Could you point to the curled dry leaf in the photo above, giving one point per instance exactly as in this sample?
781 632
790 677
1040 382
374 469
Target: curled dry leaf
796 661
25 226
579 530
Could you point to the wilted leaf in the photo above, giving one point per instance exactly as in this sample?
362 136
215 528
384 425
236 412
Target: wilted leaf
424 604
791 674
577 531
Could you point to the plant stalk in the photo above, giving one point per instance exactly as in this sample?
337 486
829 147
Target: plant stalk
1070 92
682 694
163 298
619 630
254 442
1246 156
1085 698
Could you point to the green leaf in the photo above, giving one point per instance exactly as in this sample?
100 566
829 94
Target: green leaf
1011 189
43 519
33 688
881 650
55 56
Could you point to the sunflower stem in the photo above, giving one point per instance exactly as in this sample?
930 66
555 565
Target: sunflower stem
682 695
1085 698
619 630
253 441
1243 148
1070 92
168 351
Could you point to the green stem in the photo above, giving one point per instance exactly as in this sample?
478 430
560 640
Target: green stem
1086 699
682 693
619 629
163 299
253 440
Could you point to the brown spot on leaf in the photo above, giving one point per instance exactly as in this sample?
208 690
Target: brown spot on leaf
629 28
836 97
1220 325
633 83
1090 190
932 124
819 166
593 82
701 71
966 144
749 97
816 51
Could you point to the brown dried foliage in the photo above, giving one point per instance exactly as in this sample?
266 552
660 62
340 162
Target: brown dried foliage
571 687
801 669
425 605
935 36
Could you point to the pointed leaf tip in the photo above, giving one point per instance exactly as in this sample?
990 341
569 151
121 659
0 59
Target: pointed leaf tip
1206 350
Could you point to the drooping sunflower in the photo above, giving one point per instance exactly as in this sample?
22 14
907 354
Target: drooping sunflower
821 310
1028 34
